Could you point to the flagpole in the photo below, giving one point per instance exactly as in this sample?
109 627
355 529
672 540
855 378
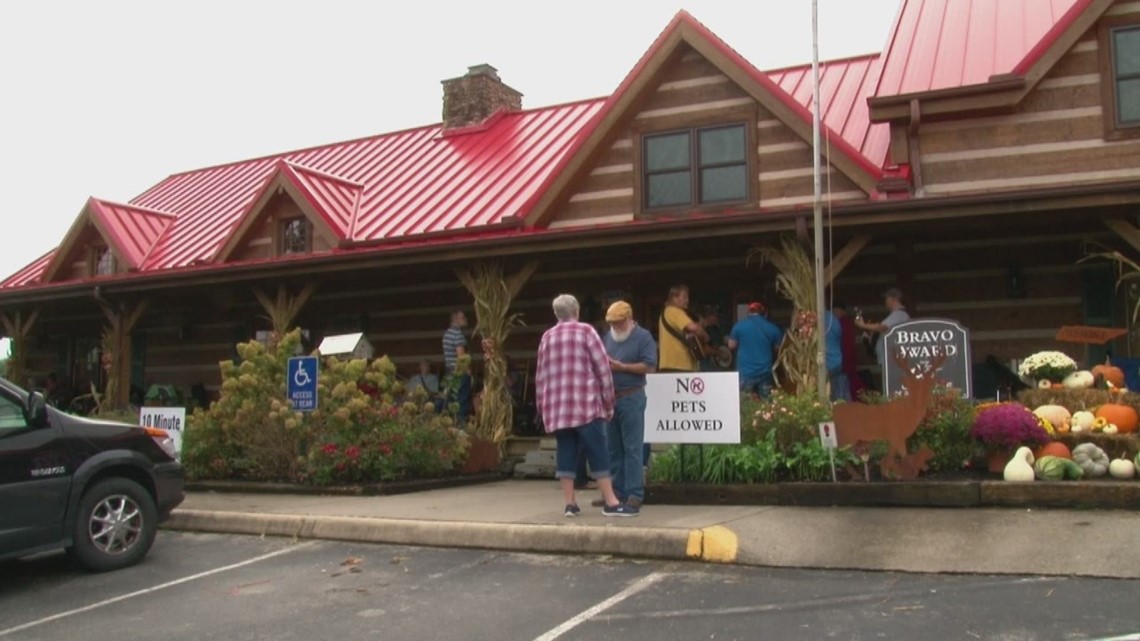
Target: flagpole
817 218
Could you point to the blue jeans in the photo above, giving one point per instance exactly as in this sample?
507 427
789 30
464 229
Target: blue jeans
626 436
590 438
840 388
760 385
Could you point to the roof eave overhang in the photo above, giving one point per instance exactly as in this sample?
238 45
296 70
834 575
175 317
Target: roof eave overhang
743 222
1001 92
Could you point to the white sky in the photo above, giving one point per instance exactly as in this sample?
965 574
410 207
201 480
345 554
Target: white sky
107 98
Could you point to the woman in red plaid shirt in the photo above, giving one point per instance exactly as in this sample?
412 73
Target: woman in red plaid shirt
574 388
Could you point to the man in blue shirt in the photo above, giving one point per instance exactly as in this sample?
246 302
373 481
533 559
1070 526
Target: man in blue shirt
833 348
633 354
756 339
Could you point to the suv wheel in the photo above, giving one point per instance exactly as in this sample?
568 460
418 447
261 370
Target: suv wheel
115 526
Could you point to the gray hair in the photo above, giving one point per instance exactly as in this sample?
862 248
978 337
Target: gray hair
565 307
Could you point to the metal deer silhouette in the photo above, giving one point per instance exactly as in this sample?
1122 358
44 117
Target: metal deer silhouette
893 422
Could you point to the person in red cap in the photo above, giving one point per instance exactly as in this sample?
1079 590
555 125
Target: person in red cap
755 340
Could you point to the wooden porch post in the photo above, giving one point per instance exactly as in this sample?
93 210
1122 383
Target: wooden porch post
121 321
18 329
493 293
282 310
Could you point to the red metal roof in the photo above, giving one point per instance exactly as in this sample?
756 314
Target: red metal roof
410 182
132 230
336 199
940 44
411 186
844 86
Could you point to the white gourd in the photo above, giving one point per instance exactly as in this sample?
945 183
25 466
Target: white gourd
1079 380
1082 421
1122 469
1020 467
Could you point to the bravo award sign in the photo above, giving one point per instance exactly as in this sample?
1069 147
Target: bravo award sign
692 407
919 342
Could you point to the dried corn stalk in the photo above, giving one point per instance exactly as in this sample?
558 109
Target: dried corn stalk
493 294
795 280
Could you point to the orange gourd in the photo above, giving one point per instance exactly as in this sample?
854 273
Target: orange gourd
1056 448
1111 373
1122 416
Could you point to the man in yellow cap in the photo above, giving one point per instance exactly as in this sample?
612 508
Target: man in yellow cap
633 354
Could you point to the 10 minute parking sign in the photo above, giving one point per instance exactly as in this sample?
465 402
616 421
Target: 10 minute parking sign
692 407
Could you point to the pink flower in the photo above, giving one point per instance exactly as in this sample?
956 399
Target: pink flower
352 452
329 448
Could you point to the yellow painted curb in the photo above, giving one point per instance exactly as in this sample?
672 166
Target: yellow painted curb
716 544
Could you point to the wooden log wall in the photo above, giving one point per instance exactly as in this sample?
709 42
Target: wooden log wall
693 93
1054 137
961 274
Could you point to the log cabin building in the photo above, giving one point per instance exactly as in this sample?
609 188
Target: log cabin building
970 163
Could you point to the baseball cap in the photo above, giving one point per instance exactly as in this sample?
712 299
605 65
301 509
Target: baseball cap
756 307
619 311
893 292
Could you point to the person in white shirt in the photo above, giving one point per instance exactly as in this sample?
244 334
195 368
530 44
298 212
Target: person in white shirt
425 379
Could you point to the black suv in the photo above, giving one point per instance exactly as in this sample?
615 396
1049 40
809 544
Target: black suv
97 488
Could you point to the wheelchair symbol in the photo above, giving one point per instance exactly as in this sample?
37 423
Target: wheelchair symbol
301 376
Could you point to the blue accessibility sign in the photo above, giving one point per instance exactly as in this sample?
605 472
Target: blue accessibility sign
302 383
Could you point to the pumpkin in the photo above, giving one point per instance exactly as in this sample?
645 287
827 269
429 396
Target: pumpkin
1044 384
1055 414
1111 373
1056 448
1122 416
1079 380
1092 459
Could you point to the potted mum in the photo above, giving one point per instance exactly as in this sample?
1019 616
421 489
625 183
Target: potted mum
1005 427
1047 366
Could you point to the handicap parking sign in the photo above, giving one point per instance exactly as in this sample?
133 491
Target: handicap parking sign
302 383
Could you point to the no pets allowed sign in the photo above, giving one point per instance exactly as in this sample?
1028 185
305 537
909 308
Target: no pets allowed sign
692 407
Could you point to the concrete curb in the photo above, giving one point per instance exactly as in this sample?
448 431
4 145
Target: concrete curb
658 543
375 489
1097 494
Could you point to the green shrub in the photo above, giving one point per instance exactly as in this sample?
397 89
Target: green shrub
359 433
946 431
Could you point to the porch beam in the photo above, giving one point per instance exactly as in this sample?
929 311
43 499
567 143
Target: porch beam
841 260
1126 230
284 308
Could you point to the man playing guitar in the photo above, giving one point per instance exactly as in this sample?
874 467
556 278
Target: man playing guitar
675 332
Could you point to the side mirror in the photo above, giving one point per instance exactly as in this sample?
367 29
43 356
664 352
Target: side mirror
37 409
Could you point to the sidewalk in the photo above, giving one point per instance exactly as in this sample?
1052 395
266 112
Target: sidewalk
527 516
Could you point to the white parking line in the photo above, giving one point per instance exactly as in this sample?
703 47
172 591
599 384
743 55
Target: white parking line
586 615
124 597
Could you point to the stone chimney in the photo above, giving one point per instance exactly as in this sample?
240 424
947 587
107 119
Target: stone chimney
472 98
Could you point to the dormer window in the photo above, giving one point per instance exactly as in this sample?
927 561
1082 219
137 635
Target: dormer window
103 262
1120 64
695 167
296 236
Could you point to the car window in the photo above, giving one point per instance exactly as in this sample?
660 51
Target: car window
11 416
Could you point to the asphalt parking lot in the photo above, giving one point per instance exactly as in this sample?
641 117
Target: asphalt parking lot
200 586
